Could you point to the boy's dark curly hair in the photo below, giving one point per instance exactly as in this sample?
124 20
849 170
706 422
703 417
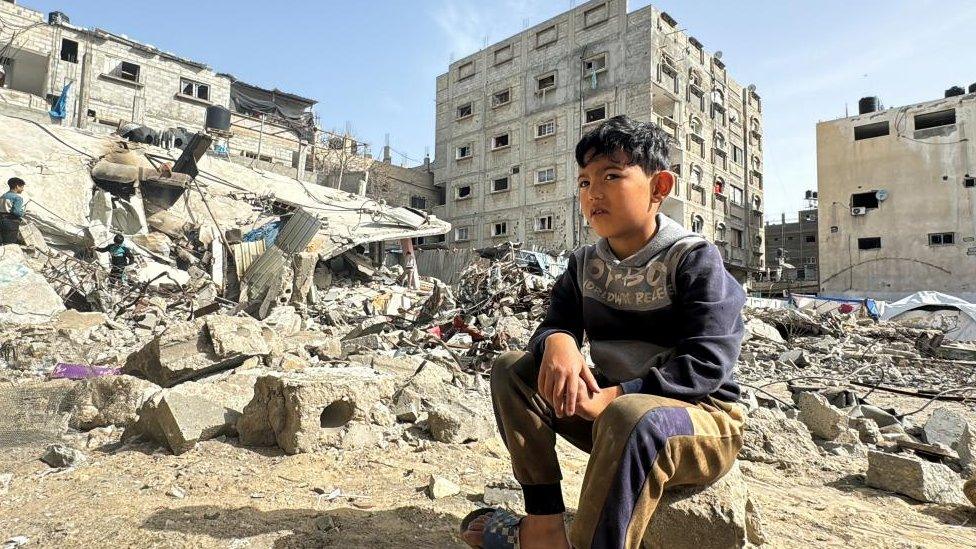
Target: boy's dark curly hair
646 144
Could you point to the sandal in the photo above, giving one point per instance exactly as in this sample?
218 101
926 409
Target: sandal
501 530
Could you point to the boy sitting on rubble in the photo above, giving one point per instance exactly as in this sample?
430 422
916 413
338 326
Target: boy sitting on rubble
662 316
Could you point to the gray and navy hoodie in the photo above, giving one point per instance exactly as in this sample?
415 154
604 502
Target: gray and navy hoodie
665 321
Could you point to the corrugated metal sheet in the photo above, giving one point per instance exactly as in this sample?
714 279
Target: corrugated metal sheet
245 253
298 232
265 269
445 265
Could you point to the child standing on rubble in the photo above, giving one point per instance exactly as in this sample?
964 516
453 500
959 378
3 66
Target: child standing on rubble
121 257
662 316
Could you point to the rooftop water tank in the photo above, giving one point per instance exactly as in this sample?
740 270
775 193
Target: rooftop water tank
954 91
57 18
868 104
218 118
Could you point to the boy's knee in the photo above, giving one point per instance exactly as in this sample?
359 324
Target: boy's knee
628 412
503 369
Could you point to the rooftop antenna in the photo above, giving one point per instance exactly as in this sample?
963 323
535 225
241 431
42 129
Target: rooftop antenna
485 45
525 23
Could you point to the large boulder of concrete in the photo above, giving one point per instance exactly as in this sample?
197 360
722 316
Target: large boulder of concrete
307 411
460 421
914 477
234 336
717 516
108 400
180 417
945 427
823 420
25 295
771 437
184 351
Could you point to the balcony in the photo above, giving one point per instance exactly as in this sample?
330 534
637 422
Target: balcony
737 211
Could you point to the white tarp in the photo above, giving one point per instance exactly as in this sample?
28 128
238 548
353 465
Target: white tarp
936 310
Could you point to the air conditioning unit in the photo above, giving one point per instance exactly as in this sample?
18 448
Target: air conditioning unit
859 211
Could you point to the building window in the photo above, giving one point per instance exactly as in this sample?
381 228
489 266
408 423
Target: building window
465 71
461 234
809 239
127 71
189 88
503 54
503 97
499 229
595 64
696 125
872 243
499 141
543 223
69 50
869 131
546 83
499 185
867 200
719 159
699 98
464 111
738 197
463 191
737 155
969 182
595 16
596 114
418 202
545 37
697 176
697 223
547 175
720 186
734 117
464 151
935 119
546 128
942 239
720 232
737 238
695 144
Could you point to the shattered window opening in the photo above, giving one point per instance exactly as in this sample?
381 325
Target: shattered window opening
871 243
596 114
546 83
464 111
737 238
867 200
464 151
460 234
127 71
464 191
503 97
499 229
928 120
499 185
738 196
192 88
869 131
69 50
418 202
543 223
499 141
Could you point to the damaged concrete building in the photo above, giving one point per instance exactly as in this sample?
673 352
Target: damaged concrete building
897 188
113 83
509 116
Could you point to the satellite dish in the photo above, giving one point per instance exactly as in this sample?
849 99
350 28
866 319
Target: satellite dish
881 195
752 88
718 54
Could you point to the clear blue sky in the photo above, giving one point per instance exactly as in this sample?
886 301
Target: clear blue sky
373 64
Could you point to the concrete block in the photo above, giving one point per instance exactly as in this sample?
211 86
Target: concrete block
914 477
184 351
238 335
307 411
944 427
720 515
823 420
108 400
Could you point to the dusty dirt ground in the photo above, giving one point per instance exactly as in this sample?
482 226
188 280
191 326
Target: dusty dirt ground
237 497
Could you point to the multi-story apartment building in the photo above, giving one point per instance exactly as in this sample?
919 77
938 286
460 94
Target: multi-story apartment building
791 255
509 117
113 80
897 209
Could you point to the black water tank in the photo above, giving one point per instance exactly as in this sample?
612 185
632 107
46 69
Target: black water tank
868 104
954 91
57 18
972 88
218 118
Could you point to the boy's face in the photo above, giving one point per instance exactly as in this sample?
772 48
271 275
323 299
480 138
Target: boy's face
618 199
19 189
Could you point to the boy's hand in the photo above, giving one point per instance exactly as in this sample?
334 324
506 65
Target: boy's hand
590 407
563 374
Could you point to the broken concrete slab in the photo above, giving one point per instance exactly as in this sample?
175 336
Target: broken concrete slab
772 437
823 420
440 487
183 352
914 477
306 411
459 421
59 455
285 321
945 427
234 336
717 516
756 328
969 489
180 417
26 297
108 400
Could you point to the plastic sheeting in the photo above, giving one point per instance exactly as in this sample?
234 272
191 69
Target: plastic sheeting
940 310
287 108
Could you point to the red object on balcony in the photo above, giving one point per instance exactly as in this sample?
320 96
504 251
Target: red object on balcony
718 188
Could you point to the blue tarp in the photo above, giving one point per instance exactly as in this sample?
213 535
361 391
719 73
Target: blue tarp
267 232
60 108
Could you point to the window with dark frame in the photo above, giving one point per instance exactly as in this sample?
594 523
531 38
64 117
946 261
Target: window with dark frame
503 97
543 223
546 128
464 151
546 82
499 141
596 114
190 88
867 200
418 202
128 71
499 229
499 185
870 243
464 111
942 239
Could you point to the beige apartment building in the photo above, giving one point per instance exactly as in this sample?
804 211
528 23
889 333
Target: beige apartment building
115 80
897 210
509 117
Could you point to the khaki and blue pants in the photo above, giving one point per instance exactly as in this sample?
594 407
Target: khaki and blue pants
639 446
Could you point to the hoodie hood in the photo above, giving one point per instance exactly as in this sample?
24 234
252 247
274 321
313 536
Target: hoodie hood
668 232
